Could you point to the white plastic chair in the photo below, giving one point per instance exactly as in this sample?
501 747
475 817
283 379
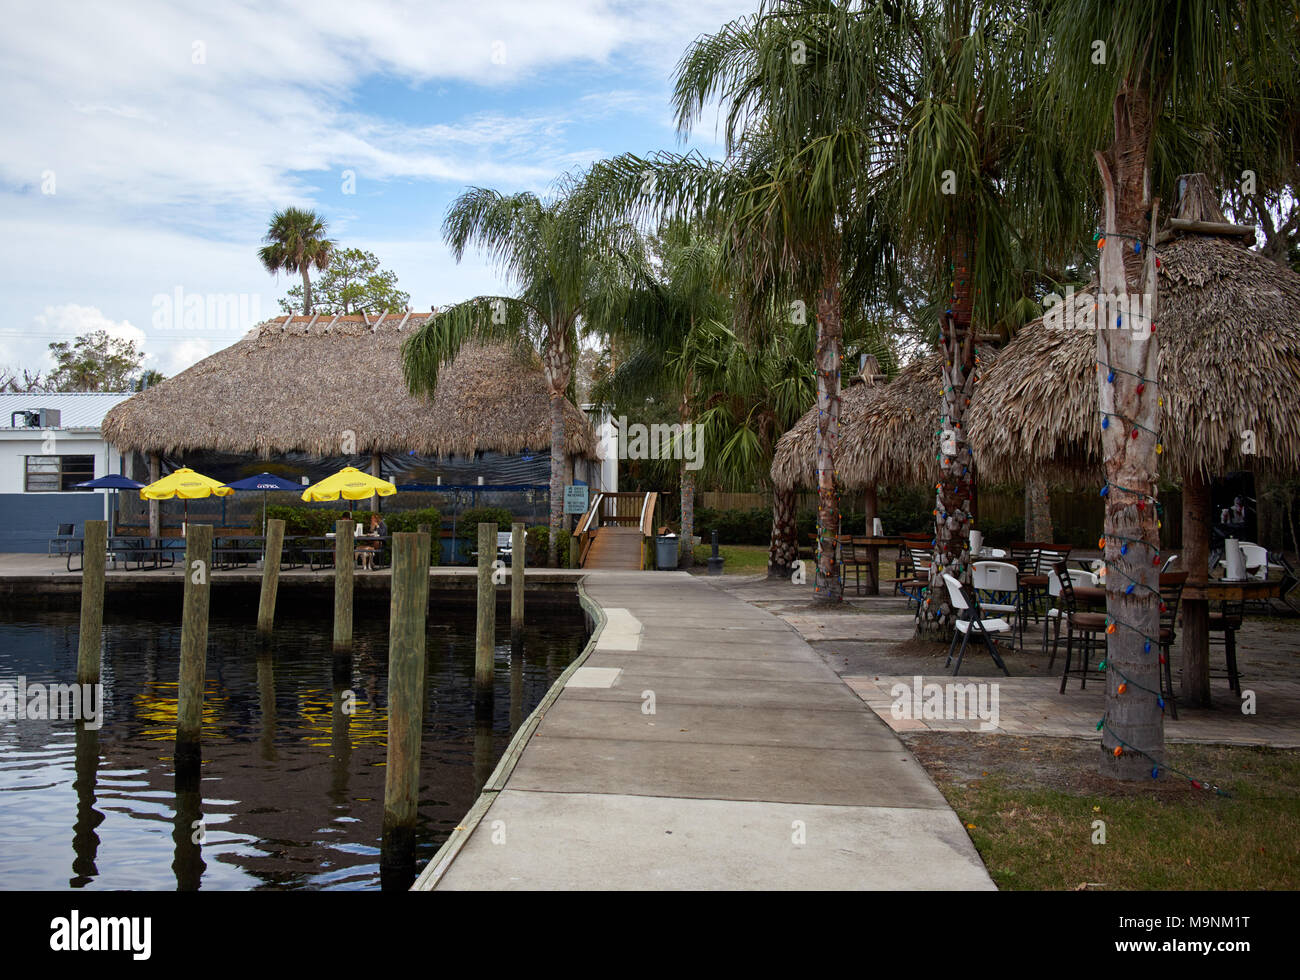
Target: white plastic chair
964 600
998 579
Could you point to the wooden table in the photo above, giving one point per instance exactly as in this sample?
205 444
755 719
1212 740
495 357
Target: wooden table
1196 628
873 545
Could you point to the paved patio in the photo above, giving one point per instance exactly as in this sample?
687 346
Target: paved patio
869 643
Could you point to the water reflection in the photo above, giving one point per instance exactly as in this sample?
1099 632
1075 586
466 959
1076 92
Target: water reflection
85 840
287 790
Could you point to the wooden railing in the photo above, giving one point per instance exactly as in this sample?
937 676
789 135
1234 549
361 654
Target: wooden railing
616 510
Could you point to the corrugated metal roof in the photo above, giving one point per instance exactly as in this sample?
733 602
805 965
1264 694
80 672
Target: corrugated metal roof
77 409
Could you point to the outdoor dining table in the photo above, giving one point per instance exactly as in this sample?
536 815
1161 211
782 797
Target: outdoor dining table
873 544
1196 599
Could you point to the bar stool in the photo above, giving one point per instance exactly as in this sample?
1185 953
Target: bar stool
1088 625
1171 594
1227 621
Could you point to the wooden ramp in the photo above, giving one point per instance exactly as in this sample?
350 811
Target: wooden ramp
615 547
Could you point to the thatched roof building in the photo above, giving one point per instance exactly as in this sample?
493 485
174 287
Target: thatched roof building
887 434
332 385
1229 333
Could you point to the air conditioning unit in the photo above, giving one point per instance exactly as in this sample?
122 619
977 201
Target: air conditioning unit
35 418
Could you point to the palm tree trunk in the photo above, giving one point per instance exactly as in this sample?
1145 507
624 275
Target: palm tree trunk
1038 510
955 494
306 291
557 363
687 557
830 331
784 549
1134 722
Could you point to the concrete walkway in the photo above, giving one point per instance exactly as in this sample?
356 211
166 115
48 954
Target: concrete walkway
705 745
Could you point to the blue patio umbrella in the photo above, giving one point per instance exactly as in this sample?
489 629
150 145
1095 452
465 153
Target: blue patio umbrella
113 481
264 482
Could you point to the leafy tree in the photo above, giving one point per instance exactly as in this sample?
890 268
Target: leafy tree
295 242
559 263
353 283
95 361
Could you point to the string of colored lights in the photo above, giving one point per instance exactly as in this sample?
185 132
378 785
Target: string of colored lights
1158 765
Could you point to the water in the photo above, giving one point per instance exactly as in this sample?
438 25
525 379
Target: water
289 794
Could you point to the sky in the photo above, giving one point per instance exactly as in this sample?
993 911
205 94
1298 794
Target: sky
147 143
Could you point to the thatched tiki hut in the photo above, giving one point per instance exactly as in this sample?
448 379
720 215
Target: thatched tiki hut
1228 378
886 436
333 386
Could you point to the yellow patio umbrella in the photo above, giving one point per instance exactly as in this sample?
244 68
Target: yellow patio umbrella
187 485
349 483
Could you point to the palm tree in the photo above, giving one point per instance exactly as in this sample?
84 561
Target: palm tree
295 242
673 290
1130 74
560 266
792 199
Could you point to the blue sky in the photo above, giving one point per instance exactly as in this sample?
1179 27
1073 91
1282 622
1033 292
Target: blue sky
147 143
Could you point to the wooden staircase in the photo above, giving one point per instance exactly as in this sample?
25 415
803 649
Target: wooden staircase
617 530
615 547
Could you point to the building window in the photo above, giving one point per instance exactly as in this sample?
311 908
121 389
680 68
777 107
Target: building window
51 474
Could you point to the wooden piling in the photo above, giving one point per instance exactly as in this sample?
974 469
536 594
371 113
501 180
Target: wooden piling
406 631
485 633
344 562
194 633
518 561
90 639
270 576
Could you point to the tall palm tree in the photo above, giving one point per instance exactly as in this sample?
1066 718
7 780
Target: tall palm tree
1130 74
295 242
792 198
674 289
559 262
978 188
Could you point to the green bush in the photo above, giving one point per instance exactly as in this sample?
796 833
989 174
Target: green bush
305 521
410 520
467 521
538 538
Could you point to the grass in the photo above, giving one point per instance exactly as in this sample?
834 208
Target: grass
1030 807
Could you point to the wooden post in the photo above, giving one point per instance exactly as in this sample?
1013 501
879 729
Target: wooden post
90 638
870 510
486 631
194 635
518 563
427 529
344 560
155 518
270 577
409 604
1196 612
375 470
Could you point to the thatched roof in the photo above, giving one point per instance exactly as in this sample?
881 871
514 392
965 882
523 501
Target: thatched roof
300 384
887 434
1228 324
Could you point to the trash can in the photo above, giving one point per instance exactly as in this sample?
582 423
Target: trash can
666 552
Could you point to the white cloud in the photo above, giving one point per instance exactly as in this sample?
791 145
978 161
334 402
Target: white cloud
166 165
